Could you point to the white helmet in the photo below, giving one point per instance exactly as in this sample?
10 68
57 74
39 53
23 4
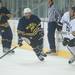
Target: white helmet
27 10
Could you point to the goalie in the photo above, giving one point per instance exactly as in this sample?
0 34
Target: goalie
29 29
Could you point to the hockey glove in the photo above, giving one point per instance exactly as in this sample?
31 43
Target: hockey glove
20 42
41 32
66 41
72 43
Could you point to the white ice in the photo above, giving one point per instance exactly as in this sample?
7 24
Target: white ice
25 62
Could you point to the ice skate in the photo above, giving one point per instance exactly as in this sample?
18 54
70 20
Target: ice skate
72 60
5 50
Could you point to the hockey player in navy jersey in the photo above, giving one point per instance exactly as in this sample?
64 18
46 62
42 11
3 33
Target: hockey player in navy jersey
5 30
29 29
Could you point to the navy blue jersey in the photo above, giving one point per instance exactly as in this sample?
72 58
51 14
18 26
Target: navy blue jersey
29 25
3 15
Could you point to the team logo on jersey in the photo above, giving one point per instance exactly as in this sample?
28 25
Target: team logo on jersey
32 28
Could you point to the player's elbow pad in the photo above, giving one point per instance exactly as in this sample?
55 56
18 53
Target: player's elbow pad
59 26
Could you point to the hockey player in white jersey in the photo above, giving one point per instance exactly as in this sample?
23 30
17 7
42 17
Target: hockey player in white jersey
71 44
68 19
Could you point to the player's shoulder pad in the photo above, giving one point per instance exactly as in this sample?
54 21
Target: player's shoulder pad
22 18
34 16
66 13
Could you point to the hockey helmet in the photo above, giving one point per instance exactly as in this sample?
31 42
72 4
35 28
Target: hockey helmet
27 10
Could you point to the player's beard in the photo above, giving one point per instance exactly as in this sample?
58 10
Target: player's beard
28 17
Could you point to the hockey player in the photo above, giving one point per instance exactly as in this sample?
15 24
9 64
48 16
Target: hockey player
5 30
69 40
29 28
66 18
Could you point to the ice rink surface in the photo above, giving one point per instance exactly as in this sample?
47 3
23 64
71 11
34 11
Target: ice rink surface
25 62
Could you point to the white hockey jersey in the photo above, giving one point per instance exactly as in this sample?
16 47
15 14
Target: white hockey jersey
65 17
71 23
65 20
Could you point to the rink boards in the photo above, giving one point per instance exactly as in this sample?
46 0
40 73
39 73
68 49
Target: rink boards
61 50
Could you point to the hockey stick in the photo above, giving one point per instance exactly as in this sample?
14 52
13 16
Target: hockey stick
7 52
27 41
